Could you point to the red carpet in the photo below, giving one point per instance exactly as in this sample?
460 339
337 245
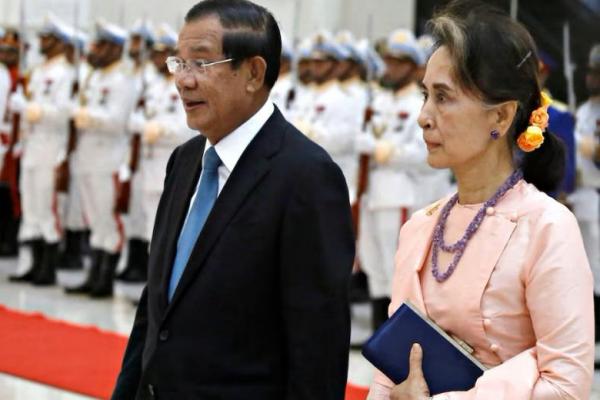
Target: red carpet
356 392
77 358
81 359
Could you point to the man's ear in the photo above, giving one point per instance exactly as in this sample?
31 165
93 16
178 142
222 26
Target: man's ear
504 116
255 73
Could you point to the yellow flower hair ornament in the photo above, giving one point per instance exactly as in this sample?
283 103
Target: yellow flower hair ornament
533 137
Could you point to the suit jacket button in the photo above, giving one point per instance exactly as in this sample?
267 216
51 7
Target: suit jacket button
163 335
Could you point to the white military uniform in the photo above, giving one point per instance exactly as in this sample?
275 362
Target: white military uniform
136 219
393 187
280 92
74 217
332 122
303 102
43 141
4 92
167 115
586 200
102 146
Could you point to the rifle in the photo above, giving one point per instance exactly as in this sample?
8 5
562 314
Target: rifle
62 175
364 159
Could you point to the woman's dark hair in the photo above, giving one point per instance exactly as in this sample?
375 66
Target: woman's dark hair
250 30
495 59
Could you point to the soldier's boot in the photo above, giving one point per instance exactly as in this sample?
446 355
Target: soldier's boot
37 252
46 274
137 262
72 257
103 286
92 276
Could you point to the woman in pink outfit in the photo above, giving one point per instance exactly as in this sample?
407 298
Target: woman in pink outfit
500 264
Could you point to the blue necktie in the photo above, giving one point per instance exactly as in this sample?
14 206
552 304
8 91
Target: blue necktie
203 203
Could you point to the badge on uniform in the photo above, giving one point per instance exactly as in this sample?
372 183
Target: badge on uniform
104 98
48 86
173 107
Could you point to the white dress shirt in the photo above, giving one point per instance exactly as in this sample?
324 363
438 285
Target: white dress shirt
230 148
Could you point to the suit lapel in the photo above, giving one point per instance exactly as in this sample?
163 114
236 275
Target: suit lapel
192 161
252 166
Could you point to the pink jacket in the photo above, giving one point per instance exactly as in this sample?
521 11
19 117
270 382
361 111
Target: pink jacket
521 296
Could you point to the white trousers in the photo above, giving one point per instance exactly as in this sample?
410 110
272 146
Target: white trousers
74 216
135 228
586 207
98 199
39 204
590 231
151 200
377 245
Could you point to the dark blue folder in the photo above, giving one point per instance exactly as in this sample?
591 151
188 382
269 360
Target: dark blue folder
447 366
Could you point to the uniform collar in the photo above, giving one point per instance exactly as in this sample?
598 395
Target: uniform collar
108 69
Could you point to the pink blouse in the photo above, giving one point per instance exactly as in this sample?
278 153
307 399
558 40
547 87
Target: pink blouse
521 296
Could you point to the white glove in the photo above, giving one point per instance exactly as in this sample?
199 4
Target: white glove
136 122
365 143
33 113
82 117
383 151
587 147
124 174
152 131
17 101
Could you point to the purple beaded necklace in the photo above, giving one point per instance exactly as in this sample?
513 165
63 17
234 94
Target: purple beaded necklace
458 248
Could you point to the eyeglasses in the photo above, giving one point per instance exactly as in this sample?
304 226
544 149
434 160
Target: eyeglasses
177 66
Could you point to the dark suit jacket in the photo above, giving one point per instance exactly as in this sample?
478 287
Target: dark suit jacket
261 311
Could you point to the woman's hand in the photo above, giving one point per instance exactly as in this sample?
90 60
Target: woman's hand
415 386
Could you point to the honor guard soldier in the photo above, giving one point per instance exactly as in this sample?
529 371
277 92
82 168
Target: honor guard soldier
304 90
10 212
398 160
586 199
283 92
164 125
76 231
101 149
141 43
5 85
333 119
44 133
349 71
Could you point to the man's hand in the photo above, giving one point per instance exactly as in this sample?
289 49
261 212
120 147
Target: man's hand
82 118
152 131
587 147
383 151
33 113
414 387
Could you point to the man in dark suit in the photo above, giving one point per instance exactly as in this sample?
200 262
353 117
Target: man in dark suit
247 294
